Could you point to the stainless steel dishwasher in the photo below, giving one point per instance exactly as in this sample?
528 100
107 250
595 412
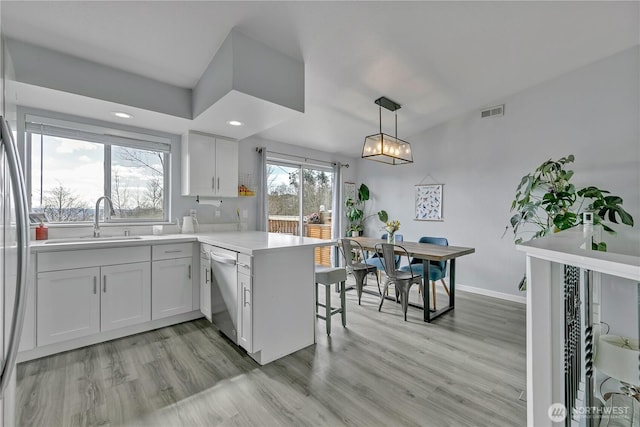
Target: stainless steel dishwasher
224 290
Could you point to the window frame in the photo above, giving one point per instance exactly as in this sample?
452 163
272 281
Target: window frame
107 135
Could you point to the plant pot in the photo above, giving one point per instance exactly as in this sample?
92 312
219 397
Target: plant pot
355 234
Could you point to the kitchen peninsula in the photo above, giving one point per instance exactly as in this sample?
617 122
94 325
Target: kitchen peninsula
114 287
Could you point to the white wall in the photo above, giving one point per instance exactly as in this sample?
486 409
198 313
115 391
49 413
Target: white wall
591 112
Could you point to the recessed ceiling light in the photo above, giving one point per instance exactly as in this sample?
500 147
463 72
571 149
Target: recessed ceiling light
234 123
122 115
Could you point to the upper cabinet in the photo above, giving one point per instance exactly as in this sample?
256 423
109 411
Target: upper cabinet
209 166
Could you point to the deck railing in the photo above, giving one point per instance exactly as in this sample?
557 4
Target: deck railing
283 224
289 225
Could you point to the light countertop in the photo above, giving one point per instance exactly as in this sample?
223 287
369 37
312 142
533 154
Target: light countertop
248 242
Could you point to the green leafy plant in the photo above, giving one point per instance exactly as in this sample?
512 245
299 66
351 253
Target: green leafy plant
547 201
355 211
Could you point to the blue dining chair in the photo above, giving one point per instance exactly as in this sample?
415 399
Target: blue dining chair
437 269
375 259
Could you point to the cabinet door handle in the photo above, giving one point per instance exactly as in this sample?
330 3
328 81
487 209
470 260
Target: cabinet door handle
104 284
173 251
206 276
245 300
95 285
189 269
218 183
213 182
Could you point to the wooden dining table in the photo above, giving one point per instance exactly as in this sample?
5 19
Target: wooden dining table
427 252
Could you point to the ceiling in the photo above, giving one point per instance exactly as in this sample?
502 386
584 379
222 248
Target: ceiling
438 59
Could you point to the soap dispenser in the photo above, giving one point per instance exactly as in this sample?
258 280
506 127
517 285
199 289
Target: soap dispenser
42 231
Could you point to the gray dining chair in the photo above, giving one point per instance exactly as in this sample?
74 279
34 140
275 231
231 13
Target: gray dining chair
360 270
402 280
374 259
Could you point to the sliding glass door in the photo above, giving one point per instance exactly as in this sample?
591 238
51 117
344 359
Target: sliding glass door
283 198
299 202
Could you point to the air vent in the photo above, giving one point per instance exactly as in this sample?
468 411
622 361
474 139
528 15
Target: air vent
497 110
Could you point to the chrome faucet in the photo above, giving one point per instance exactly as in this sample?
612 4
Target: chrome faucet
96 225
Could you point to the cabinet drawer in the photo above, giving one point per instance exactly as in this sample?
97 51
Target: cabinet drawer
244 264
174 250
67 260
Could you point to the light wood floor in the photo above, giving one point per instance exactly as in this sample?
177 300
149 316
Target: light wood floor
465 369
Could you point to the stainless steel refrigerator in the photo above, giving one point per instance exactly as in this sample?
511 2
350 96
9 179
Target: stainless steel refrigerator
14 256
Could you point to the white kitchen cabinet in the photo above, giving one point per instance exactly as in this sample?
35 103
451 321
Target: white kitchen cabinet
263 310
281 305
172 287
84 292
226 168
209 166
84 301
205 288
245 322
68 304
126 292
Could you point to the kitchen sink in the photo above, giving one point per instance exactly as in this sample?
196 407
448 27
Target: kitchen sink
87 239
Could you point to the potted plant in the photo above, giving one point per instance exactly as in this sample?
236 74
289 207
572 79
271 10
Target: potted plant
547 201
314 218
355 212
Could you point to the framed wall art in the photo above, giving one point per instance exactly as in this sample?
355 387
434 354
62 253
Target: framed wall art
349 191
429 202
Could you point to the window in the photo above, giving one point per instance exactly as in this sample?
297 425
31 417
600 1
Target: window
72 164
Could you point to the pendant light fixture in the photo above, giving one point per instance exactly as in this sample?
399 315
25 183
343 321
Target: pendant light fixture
386 148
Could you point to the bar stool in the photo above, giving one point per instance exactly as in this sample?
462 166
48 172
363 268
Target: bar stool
327 276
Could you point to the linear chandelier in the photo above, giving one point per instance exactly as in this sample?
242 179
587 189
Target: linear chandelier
386 148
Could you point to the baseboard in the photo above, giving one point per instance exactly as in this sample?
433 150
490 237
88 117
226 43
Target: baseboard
494 294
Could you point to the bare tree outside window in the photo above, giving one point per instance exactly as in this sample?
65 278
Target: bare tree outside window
120 195
62 205
144 186
138 157
153 194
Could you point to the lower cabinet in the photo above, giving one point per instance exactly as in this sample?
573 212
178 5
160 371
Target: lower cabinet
172 287
84 301
77 295
245 303
126 291
68 305
205 289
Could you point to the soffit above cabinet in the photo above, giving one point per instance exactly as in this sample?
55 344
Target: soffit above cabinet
246 81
